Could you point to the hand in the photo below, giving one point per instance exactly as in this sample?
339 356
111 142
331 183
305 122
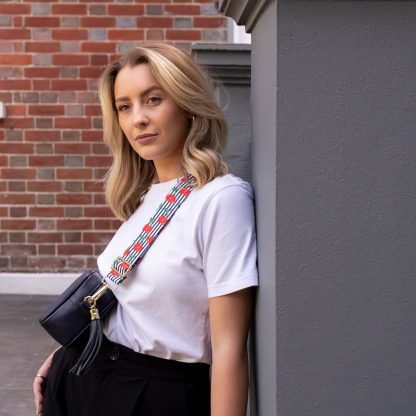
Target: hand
39 384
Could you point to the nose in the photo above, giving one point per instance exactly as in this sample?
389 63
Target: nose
140 118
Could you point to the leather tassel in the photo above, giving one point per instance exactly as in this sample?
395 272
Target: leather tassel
91 350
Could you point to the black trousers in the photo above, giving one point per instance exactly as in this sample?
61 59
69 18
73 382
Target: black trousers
122 382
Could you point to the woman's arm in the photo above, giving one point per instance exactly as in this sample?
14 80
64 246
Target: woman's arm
39 383
230 320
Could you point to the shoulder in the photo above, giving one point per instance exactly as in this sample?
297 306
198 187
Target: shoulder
224 188
225 196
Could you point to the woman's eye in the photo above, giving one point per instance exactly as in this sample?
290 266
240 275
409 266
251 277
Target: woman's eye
122 107
154 100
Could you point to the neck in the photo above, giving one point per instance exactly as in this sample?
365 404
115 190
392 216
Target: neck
164 174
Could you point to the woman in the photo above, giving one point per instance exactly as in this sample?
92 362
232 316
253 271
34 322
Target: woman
186 308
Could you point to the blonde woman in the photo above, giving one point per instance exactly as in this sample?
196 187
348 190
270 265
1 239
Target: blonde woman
175 344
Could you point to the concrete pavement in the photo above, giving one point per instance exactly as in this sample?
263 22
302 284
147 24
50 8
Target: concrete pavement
23 347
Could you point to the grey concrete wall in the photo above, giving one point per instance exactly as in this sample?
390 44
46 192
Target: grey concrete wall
346 203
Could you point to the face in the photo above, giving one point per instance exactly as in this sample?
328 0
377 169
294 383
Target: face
154 124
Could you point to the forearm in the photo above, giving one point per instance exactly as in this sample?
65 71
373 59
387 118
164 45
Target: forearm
229 384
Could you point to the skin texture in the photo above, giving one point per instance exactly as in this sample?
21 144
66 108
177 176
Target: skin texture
152 112
143 111
39 384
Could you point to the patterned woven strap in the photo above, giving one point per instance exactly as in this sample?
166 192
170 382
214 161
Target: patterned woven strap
135 253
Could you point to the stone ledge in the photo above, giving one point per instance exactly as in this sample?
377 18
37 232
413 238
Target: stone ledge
35 283
229 63
244 12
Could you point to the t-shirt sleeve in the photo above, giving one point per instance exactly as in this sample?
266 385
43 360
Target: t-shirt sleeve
227 240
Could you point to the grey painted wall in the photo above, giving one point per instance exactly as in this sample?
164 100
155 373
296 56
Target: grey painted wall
346 202
264 164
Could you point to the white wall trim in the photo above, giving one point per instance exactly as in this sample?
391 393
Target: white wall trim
35 283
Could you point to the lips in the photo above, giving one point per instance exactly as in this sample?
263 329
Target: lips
145 137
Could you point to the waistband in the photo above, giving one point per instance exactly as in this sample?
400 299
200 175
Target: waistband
150 366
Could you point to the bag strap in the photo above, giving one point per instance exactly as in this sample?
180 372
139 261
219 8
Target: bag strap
135 253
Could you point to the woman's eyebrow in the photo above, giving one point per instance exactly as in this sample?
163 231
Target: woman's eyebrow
145 92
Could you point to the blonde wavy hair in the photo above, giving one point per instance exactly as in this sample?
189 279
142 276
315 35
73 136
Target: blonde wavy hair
130 176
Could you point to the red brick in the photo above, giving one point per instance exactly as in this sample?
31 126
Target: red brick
73 199
18 224
12 33
98 22
93 187
17 21
46 249
18 173
70 249
15 84
209 22
183 10
46 212
4 212
40 237
42 47
69 34
17 123
46 161
74 173
125 10
93 110
99 60
44 186
98 161
41 84
73 148
97 237
15 9
39 72
47 263
12 199
46 110
125 34
191 35
18 249
4 161
98 47
108 224
42 135
98 212
99 199
100 149
18 212
16 110
155 34
72 122
150 21
69 224
90 72
16 148
76 9
15 59
73 59
92 135
69 84
42 21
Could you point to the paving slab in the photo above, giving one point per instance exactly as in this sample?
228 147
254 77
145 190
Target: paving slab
24 345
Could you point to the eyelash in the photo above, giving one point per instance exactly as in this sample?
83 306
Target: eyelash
123 107
157 98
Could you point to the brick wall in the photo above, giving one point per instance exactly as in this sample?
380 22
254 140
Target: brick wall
53 215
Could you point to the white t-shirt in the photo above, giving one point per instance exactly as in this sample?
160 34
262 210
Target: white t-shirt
207 249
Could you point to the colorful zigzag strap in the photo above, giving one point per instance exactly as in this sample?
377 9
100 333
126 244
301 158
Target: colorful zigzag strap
134 254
